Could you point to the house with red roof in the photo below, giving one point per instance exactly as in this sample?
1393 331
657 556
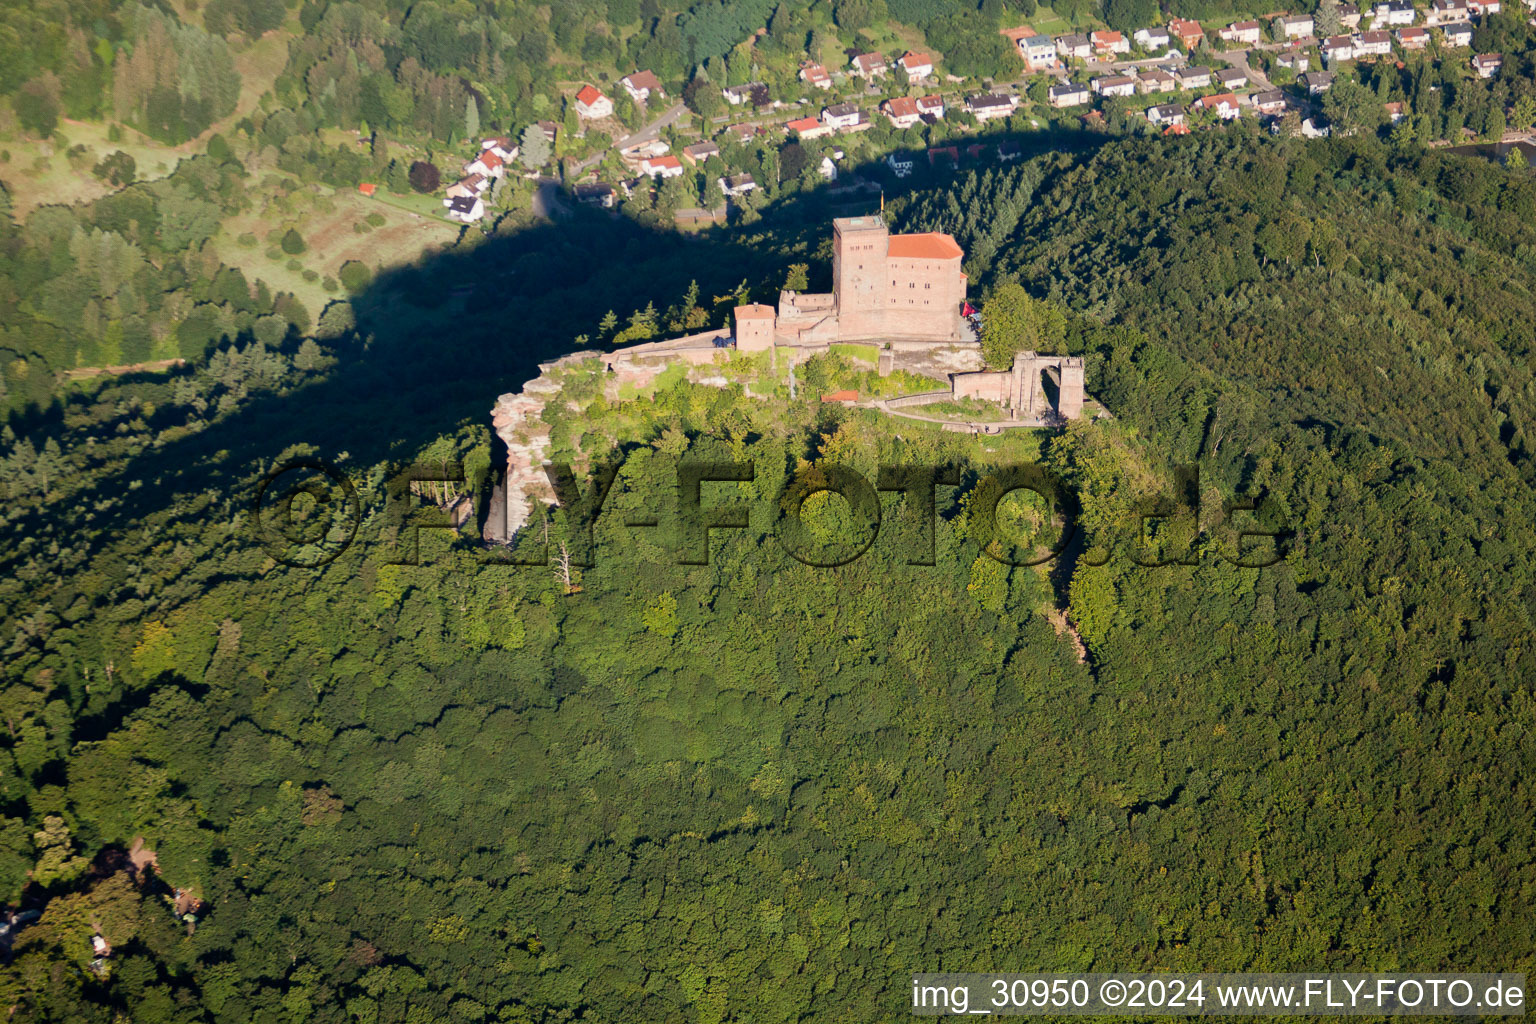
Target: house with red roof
809 127
815 75
918 66
641 86
667 166
1188 33
902 111
592 104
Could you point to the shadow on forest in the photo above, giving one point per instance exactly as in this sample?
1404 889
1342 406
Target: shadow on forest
438 340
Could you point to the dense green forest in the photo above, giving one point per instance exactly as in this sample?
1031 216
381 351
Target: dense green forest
753 789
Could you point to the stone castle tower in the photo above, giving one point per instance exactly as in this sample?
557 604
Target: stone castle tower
895 286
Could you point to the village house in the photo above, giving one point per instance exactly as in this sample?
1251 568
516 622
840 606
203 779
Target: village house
1198 77
1188 33
465 209
737 184
1167 113
869 65
1394 12
667 166
1068 94
930 108
815 75
1480 8
1349 16
1247 33
842 116
1310 129
503 147
755 93
1150 39
1317 82
1294 26
1487 64
1039 52
1155 80
809 127
1458 34
986 106
596 193
486 162
700 151
827 169
1376 43
1114 85
1337 48
549 129
1394 111
592 104
1447 12
1231 78
918 66
1223 103
1269 103
902 111
1294 60
1106 43
641 86
1073 47
1413 38
468 187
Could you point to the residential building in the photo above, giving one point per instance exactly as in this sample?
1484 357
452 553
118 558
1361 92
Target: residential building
700 151
1458 34
918 66
1317 82
841 115
1395 12
1349 16
503 147
641 86
930 106
1068 94
597 194
1155 80
1479 8
1109 43
869 65
1294 26
1223 103
1198 77
1310 129
1487 64
1114 85
827 169
1073 47
486 162
1337 48
815 75
1413 37
1394 111
1268 103
902 111
1167 113
809 128
1376 43
1447 12
1247 33
592 104
1231 78
1294 60
667 166
1188 33
465 209
1152 38
755 93
467 187
1039 51
737 184
986 106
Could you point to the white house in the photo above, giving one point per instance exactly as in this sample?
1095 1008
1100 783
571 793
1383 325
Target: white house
751 92
1039 51
809 127
840 116
662 166
1231 78
1167 113
1349 16
465 209
1310 129
1376 43
1108 43
1194 78
815 75
1224 103
1479 8
592 104
869 65
486 162
1447 12
1294 26
1395 12
1268 103
1244 32
737 185
1294 60
1458 34
1317 82
828 169
641 86
1337 48
1155 81
1413 37
902 111
1487 64
918 66
1114 85
1068 94
505 149
986 106
1073 47
930 106
1152 38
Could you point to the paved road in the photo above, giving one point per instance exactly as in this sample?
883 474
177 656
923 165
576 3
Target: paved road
1239 59
645 134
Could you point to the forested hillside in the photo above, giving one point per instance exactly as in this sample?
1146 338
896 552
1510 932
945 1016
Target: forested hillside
760 790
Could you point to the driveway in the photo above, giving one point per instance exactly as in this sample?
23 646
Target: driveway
645 134
1239 59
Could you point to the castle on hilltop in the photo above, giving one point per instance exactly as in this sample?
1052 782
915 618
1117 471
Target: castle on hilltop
901 295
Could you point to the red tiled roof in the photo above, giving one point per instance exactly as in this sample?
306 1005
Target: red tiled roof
644 80
901 106
841 396
931 245
669 161
803 124
754 311
489 159
588 95
367 188
915 60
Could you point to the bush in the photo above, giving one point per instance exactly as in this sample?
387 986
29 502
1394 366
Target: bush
274 254
424 177
293 242
355 276
376 219
329 284
311 276
246 241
